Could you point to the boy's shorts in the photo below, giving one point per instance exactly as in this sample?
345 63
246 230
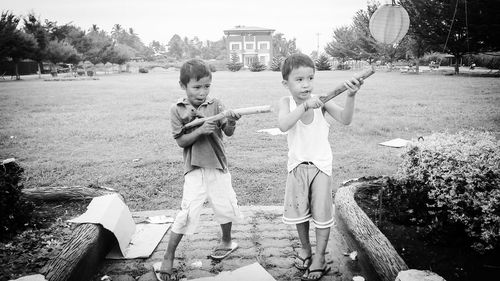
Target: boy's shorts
204 184
308 196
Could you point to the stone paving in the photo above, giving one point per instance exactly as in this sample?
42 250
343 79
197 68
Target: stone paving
262 238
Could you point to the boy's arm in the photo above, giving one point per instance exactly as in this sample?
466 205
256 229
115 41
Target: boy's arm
188 139
287 119
344 115
229 125
183 139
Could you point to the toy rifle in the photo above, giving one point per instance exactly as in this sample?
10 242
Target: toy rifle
222 115
341 88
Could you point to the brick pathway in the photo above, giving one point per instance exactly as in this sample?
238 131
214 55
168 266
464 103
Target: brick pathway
262 237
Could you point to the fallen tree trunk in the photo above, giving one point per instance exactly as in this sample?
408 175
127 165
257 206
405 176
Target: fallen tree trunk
63 193
383 257
80 257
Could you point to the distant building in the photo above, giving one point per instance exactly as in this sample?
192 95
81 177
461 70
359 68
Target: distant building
250 43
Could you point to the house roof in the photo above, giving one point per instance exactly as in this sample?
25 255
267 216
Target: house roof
242 28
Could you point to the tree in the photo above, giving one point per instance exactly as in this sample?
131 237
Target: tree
276 63
343 45
366 46
15 44
214 49
234 64
282 46
176 47
118 53
100 42
33 25
322 63
458 27
61 51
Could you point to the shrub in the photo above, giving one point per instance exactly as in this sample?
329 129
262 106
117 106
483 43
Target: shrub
212 68
436 57
322 63
234 64
461 175
257 66
343 66
276 63
143 70
14 210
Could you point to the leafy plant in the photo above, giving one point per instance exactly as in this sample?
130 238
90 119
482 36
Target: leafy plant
15 212
322 63
461 175
234 64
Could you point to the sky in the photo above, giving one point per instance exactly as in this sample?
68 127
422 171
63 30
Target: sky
310 22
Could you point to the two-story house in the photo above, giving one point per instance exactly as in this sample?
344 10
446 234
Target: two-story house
250 43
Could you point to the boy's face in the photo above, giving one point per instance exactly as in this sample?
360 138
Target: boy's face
300 82
197 91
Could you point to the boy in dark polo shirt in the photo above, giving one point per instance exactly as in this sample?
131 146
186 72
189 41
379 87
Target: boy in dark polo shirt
206 175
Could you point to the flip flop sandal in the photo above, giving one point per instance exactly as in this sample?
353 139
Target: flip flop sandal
323 271
305 264
226 251
171 275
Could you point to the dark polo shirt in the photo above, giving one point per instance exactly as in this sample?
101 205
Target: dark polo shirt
208 150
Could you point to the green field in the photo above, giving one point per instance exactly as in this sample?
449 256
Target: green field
115 131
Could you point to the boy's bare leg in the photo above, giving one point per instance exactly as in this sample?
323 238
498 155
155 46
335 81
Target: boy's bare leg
319 260
168 259
225 243
303 231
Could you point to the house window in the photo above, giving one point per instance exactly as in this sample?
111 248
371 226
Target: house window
249 46
235 46
263 46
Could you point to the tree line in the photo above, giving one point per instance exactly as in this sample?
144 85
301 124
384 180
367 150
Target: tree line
46 41
458 27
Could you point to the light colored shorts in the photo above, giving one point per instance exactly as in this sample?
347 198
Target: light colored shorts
308 196
201 185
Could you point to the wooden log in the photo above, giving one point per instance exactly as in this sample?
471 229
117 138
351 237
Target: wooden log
383 257
81 255
63 193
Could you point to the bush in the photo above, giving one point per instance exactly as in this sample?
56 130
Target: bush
212 68
343 66
234 64
15 212
257 66
440 58
460 173
143 70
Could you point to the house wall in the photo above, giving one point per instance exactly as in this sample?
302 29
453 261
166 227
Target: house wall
250 47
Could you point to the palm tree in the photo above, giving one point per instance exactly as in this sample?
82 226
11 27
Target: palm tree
116 31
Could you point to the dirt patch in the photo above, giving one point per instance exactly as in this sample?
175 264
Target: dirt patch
29 250
447 254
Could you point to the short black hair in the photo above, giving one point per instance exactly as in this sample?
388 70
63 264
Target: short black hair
194 68
295 61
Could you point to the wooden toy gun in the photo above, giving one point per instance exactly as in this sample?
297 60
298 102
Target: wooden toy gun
222 115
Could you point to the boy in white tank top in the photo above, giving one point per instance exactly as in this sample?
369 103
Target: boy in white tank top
308 194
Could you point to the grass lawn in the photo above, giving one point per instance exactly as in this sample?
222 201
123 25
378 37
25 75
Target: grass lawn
115 131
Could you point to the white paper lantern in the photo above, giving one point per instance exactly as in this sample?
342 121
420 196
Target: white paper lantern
389 24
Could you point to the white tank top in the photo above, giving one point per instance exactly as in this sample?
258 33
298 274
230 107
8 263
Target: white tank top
310 142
